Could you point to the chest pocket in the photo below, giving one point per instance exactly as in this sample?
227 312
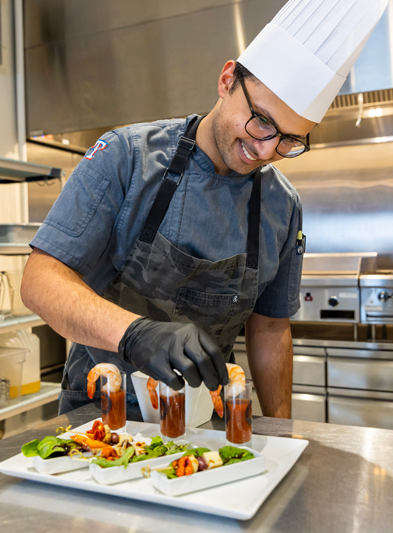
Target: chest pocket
205 309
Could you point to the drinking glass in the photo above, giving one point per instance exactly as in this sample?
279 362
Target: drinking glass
113 402
172 412
238 413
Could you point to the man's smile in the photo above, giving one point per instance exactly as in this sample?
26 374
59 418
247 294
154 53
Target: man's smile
247 153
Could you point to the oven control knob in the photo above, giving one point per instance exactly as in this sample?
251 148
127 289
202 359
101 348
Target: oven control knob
383 296
333 301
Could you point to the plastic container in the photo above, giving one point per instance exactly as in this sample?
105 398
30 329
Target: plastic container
18 308
11 272
11 368
31 374
199 405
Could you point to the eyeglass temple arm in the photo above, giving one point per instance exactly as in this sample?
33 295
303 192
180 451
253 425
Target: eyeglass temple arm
246 94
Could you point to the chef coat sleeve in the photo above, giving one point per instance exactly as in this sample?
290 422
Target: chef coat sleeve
79 226
280 297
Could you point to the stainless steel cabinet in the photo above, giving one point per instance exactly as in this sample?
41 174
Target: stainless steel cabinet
355 411
309 366
360 374
360 386
309 407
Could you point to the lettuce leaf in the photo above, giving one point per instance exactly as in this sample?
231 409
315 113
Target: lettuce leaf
198 452
30 449
231 454
48 447
122 461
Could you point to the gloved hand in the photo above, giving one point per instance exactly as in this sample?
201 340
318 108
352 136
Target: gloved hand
157 348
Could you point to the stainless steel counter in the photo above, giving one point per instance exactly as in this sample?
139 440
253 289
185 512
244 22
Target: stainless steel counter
343 482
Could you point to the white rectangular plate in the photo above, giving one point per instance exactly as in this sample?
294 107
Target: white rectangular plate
240 499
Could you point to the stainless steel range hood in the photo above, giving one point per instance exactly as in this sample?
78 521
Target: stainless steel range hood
96 64
363 110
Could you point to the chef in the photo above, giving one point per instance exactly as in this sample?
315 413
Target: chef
169 237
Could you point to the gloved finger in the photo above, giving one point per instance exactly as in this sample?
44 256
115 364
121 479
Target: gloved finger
173 380
216 356
164 373
186 367
203 362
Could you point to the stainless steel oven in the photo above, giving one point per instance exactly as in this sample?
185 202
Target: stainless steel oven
376 289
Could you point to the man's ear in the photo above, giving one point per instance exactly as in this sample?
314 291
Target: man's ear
226 78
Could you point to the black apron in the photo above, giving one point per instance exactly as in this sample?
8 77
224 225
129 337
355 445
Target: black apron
161 282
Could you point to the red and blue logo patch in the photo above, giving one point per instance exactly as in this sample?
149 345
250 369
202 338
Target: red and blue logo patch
99 145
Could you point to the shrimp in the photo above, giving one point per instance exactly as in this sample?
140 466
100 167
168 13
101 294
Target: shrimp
151 387
236 385
103 369
217 402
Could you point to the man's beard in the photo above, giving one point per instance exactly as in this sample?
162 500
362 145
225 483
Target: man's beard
226 148
220 140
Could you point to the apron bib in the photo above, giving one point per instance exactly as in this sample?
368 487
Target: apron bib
161 282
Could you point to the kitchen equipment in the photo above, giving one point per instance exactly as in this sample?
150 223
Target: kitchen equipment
329 288
376 289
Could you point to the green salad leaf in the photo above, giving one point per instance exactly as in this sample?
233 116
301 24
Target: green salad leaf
47 447
228 454
231 454
198 452
157 448
122 461
30 449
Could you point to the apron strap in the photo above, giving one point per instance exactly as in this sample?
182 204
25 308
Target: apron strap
168 186
254 221
164 196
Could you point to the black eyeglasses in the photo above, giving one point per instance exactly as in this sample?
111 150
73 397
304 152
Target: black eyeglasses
260 128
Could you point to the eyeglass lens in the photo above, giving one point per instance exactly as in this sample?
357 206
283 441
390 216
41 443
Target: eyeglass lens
260 129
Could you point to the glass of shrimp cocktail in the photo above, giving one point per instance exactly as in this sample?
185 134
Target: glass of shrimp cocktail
238 415
172 412
113 400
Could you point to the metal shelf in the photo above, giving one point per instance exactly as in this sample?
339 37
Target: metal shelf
12 323
48 392
13 171
14 249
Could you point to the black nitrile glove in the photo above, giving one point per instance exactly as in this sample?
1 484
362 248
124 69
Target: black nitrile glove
158 348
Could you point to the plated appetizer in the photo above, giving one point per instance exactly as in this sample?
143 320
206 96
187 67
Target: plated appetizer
126 467
129 451
213 468
53 455
200 459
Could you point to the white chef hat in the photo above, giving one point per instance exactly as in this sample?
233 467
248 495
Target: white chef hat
305 54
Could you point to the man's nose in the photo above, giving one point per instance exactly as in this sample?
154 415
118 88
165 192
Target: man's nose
267 149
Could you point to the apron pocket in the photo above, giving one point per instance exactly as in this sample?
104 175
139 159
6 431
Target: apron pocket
205 309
